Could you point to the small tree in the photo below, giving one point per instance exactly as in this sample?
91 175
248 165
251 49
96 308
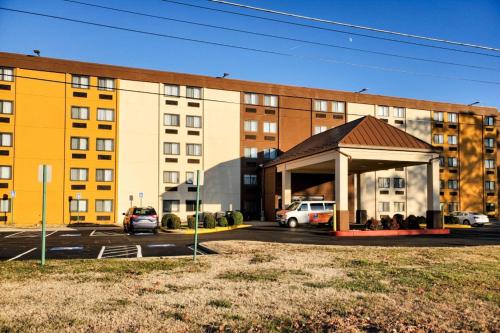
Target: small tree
237 218
222 221
191 221
171 221
209 220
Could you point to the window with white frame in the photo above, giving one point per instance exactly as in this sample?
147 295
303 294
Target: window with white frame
79 174
271 100
79 112
80 81
319 129
193 121
171 148
338 107
384 182
441 184
249 179
269 127
171 206
250 152
80 205
193 149
489 164
490 207
399 206
489 185
104 205
5 172
6 139
399 182
171 177
384 206
170 119
189 177
438 116
105 114
6 107
453 184
104 145
438 139
193 92
6 74
452 117
171 90
251 125
383 111
270 153
489 120
452 139
251 98
79 143
489 143
104 175
452 162
452 207
441 161
399 112
320 105
105 83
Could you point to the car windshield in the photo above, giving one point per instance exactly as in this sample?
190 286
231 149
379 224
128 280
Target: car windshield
144 211
477 213
293 205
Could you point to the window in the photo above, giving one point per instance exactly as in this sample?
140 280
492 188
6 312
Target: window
452 139
171 148
489 185
6 139
79 112
399 182
104 206
193 121
489 143
452 207
250 179
438 139
382 111
271 100
171 177
77 174
317 206
171 90
453 184
452 117
79 143
438 116
5 107
190 177
441 161
338 107
452 162
384 182
6 74
490 207
320 106
80 81
104 175
250 152
193 149
105 114
76 205
399 112
489 164
489 120
104 145
441 184
383 206
319 129
171 206
251 98
104 83
193 92
251 125
399 206
5 172
170 119
191 205
269 127
270 153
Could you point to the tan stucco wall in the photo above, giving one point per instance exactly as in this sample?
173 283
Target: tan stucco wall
356 110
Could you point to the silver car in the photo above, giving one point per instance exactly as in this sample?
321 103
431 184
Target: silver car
140 218
471 218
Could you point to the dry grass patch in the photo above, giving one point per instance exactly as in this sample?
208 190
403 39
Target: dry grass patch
260 287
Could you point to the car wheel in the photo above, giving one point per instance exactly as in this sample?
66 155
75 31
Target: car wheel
155 231
293 223
466 222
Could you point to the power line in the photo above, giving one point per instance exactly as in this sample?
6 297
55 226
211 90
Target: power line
332 30
280 37
328 60
349 25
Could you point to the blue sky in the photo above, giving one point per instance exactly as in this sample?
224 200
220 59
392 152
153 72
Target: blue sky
462 20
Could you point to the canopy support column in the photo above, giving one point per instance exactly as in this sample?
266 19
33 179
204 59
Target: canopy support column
433 209
286 188
341 192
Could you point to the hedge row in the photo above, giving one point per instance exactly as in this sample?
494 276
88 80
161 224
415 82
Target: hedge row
210 220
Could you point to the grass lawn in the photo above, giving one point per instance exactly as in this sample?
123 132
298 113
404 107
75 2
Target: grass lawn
260 287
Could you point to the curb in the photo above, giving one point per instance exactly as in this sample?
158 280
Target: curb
203 230
389 233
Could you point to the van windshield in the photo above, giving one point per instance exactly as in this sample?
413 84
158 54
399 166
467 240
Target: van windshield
293 205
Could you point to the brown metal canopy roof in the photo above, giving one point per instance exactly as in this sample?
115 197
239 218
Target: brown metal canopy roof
366 132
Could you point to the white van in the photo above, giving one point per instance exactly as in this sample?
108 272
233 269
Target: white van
301 212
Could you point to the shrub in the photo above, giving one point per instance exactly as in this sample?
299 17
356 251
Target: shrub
399 220
237 218
171 221
222 222
191 221
385 221
421 220
373 224
229 217
208 221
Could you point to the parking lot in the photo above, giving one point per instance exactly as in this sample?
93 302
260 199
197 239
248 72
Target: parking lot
102 244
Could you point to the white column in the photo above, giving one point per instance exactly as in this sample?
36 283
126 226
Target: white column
433 185
359 203
286 188
341 183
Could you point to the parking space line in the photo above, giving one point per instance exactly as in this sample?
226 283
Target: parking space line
16 233
101 252
92 233
197 250
53 232
29 234
22 254
139 251
118 251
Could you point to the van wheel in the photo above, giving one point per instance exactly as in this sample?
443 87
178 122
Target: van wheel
330 222
466 222
293 223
